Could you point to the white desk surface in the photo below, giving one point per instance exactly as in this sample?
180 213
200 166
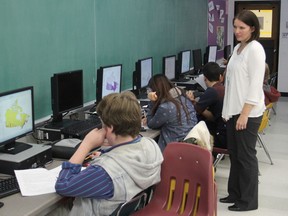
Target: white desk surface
17 205
150 133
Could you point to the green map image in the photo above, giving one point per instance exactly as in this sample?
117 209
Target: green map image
15 117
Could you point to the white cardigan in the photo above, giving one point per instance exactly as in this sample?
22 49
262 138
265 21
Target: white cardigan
244 81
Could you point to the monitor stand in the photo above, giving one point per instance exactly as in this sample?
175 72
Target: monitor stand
15 147
58 125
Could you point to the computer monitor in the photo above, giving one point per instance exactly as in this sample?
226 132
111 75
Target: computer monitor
16 119
66 94
227 52
197 60
184 58
169 66
211 53
108 80
143 73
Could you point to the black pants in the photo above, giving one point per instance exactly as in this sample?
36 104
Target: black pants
243 177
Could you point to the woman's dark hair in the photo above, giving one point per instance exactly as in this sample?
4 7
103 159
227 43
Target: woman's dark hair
160 84
250 19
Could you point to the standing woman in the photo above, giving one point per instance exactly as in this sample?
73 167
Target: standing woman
170 110
243 109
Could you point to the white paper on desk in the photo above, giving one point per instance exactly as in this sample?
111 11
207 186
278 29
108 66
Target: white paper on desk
37 181
200 81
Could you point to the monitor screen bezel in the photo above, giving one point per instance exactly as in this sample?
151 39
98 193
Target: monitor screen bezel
56 92
197 59
29 130
144 82
100 82
181 62
138 80
227 52
212 53
164 66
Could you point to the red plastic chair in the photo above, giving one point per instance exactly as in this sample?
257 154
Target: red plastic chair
187 184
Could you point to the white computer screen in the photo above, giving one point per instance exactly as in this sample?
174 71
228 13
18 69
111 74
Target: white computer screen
170 67
16 114
146 71
185 64
111 82
212 54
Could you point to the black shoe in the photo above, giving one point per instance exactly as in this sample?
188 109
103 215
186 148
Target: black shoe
227 200
237 208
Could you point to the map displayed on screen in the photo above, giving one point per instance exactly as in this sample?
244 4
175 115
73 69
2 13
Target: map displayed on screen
15 117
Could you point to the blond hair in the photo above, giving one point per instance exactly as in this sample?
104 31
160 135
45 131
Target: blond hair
122 111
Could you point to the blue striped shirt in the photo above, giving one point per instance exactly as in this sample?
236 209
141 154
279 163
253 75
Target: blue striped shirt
93 182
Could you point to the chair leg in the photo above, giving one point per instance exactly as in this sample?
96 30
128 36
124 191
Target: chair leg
274 111
218 159
264 147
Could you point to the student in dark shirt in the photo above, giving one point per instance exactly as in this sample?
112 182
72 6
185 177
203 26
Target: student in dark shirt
209 105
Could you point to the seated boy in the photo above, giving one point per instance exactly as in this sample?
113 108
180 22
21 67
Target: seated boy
129 166
210 104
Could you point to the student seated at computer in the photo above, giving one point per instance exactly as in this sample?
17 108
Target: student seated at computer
169 110
209 104
129 166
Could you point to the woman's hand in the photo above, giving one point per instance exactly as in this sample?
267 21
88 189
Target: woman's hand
190 95
152 96
241 123
144 122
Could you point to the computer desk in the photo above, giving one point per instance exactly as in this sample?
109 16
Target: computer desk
17 205
193 84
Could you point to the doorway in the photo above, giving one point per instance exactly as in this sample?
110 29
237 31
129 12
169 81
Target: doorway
268 14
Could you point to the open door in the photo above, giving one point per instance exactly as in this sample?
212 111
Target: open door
269 17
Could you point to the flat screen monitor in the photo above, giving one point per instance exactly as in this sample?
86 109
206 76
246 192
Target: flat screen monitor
108 80
169 67
66 93
184 58
211 53
16 119
197 60
143 73
227 52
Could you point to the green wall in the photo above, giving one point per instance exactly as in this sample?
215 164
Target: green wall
42 37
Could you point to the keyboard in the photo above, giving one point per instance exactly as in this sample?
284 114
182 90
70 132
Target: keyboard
197 93
183 79
81 128
8 186
144 103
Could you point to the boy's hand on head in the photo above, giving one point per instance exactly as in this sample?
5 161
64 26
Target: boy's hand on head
95 137
152 96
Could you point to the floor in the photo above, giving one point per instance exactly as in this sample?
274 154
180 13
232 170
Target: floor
273 181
